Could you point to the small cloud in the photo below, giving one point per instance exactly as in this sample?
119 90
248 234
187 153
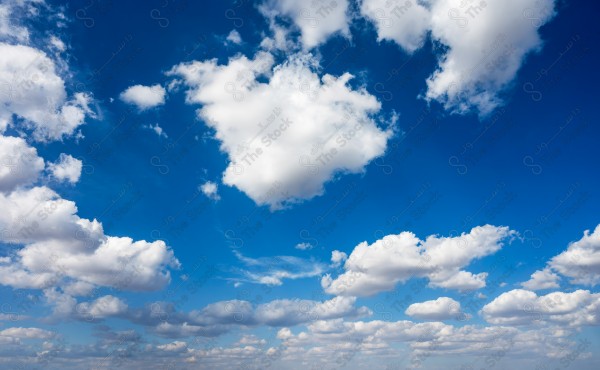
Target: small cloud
144 97
304 246
66 168
234 37
337 258
157 129
211 190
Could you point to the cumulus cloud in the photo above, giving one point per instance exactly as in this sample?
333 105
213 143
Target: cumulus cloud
543 279
580 263
20 164
66 168
337 258
211 190
144 97
378 267
34 91
59 246
404 22
483 44
443 308
523 307
316 20
285 137
486 45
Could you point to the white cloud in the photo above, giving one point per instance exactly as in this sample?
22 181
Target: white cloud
33 90
287 137
304 246
581 261
234 37
102 307
486 44
523 307
157 130
443 308
483 43
317 20
26 333
66 168
404 22
337 258
59 247
144 97
378 267
57 43
543 279
19 163
8 29
211 190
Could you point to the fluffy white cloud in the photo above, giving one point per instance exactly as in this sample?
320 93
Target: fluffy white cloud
317 20
405 22
373 268
211 190
103 307
60 247
581 261
288 136
33 90
66 168
543 279
337 258
443 308
523 307
19 163
486 44
483 43
144 97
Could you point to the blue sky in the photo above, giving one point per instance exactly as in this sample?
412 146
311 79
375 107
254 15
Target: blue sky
287 184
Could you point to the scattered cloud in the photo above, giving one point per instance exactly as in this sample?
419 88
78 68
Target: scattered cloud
211 190
66 168
234 37
144 97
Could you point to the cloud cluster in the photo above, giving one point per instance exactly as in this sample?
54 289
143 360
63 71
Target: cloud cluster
378 267
286 130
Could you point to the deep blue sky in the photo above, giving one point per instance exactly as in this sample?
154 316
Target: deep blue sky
531 165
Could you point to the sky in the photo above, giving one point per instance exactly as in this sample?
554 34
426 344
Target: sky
329 184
